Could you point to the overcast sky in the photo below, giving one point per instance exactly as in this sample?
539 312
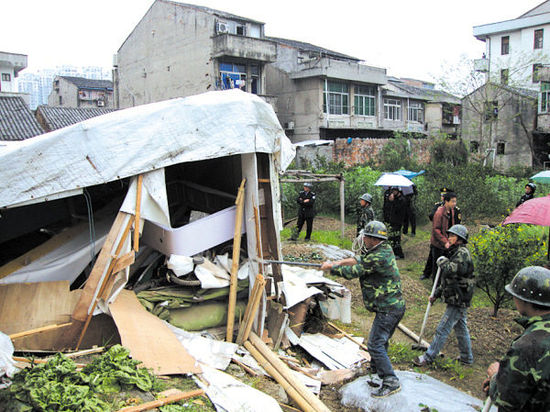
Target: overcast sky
408 38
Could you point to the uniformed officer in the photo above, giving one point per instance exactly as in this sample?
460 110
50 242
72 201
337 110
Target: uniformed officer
530 189
456 289
365 214
521 380
381 287
306 212
427 272
394 214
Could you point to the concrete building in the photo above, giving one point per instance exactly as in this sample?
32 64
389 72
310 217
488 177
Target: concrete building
179 49
499 123
516 49
80 92
10 66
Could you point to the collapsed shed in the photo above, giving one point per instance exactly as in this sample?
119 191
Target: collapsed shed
71 196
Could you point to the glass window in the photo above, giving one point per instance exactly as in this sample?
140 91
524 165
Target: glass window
392 109
504 76
234 76
6 77
416 112
500 148
365 100
544 100
536 75
505 45
337 96
538 39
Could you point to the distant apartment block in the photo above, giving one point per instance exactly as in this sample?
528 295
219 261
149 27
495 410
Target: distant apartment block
80 92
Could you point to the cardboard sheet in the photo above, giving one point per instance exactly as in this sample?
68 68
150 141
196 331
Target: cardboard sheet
149 339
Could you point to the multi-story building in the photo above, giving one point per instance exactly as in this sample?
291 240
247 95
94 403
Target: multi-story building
80 92
517 48
10 66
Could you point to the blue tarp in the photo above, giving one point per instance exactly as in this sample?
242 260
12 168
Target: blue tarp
408 174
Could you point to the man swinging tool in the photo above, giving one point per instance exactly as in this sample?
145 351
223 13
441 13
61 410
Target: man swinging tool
380 283
457 289
521 380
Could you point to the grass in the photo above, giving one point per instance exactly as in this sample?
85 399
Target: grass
327 237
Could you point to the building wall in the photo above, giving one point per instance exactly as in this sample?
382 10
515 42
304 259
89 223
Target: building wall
433 118
7 86
512 127
167 55
68 92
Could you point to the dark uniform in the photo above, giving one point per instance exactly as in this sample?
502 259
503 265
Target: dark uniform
306 213
381 287
525 198
410 212
364 216
394 214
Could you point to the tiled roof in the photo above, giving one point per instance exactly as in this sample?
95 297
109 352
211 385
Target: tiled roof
83 83
426 94
311 47
16 119
53 118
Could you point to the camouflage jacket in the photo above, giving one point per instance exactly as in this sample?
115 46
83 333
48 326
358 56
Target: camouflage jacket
364 216
523 380
457 278
379 278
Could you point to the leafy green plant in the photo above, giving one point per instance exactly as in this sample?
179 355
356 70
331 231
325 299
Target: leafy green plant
500 252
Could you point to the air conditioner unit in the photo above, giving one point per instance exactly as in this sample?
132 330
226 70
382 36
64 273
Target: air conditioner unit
100 103
222 27
290 126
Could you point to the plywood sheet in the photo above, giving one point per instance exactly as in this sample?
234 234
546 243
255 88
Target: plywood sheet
149 339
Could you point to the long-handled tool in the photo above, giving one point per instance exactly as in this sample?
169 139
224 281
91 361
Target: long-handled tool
283 262
487 404
419 345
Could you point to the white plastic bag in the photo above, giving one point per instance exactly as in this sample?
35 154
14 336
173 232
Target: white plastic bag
7 365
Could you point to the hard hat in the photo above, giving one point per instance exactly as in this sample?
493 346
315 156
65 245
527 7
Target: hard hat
532 186
366 197
307 184
531 284
375 229
460 231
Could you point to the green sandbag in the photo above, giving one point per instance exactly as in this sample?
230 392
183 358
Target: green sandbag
204 315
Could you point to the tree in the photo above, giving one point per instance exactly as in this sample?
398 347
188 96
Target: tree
499 253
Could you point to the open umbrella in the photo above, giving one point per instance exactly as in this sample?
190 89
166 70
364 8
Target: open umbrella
533 212
393 179
408 174
542 177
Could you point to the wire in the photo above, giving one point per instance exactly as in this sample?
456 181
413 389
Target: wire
91 224
358 245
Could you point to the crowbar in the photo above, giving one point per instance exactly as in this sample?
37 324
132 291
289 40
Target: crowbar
283 262
434 287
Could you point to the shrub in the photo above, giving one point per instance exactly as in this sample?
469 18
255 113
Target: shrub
499 253
447 151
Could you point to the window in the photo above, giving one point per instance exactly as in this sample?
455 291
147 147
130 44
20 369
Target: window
365 100
61 100
337 96
504 76
6 77
491 110
234 76
474 146
505 45
240 30
544 100
392 109
416 112
536 74
500 148
538 39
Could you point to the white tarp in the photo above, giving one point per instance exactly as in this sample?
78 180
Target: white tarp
141 139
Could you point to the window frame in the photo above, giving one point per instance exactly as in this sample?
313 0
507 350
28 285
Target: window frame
536 75
6 77
504 45
364 100
538 39
335 99
504 76
416 108
501 148
393 109
544 97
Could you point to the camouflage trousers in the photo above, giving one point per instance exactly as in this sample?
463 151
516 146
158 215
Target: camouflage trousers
394 238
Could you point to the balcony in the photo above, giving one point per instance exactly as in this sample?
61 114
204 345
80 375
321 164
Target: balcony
481 65
344 70
230 45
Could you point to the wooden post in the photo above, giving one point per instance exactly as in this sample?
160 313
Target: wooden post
138 213
164 401
235 262
250 314
342 205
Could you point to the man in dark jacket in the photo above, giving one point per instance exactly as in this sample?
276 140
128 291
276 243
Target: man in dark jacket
306 212
530 189
410 212
521 380
457 289
381 287
394 214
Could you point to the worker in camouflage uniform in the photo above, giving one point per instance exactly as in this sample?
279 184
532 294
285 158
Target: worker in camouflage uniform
521 380
365 214
380 284
456 289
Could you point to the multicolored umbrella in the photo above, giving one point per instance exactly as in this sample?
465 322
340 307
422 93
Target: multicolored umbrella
541 177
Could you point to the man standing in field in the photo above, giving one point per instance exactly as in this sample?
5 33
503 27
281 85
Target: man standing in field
306 212
365 214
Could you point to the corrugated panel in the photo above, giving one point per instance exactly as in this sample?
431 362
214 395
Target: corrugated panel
17 122
59 117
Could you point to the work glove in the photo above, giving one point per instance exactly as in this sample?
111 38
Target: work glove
441 260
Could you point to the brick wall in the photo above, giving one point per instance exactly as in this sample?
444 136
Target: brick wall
364 150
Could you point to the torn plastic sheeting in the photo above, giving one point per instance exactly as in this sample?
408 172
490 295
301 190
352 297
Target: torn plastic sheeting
211 352
338 308
243 356
333 353
180 265
7 365
65 262
214 276
416 389
230 395
314 385
333 252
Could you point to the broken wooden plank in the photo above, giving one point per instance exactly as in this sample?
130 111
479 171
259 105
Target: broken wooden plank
37 330
347 335
138 213
124 261
164 401
149 339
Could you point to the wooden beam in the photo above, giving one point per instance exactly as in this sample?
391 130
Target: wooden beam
37 330
347 335
138 213
342 206
164 401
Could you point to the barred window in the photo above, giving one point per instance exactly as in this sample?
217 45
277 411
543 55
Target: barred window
337 96
365 100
